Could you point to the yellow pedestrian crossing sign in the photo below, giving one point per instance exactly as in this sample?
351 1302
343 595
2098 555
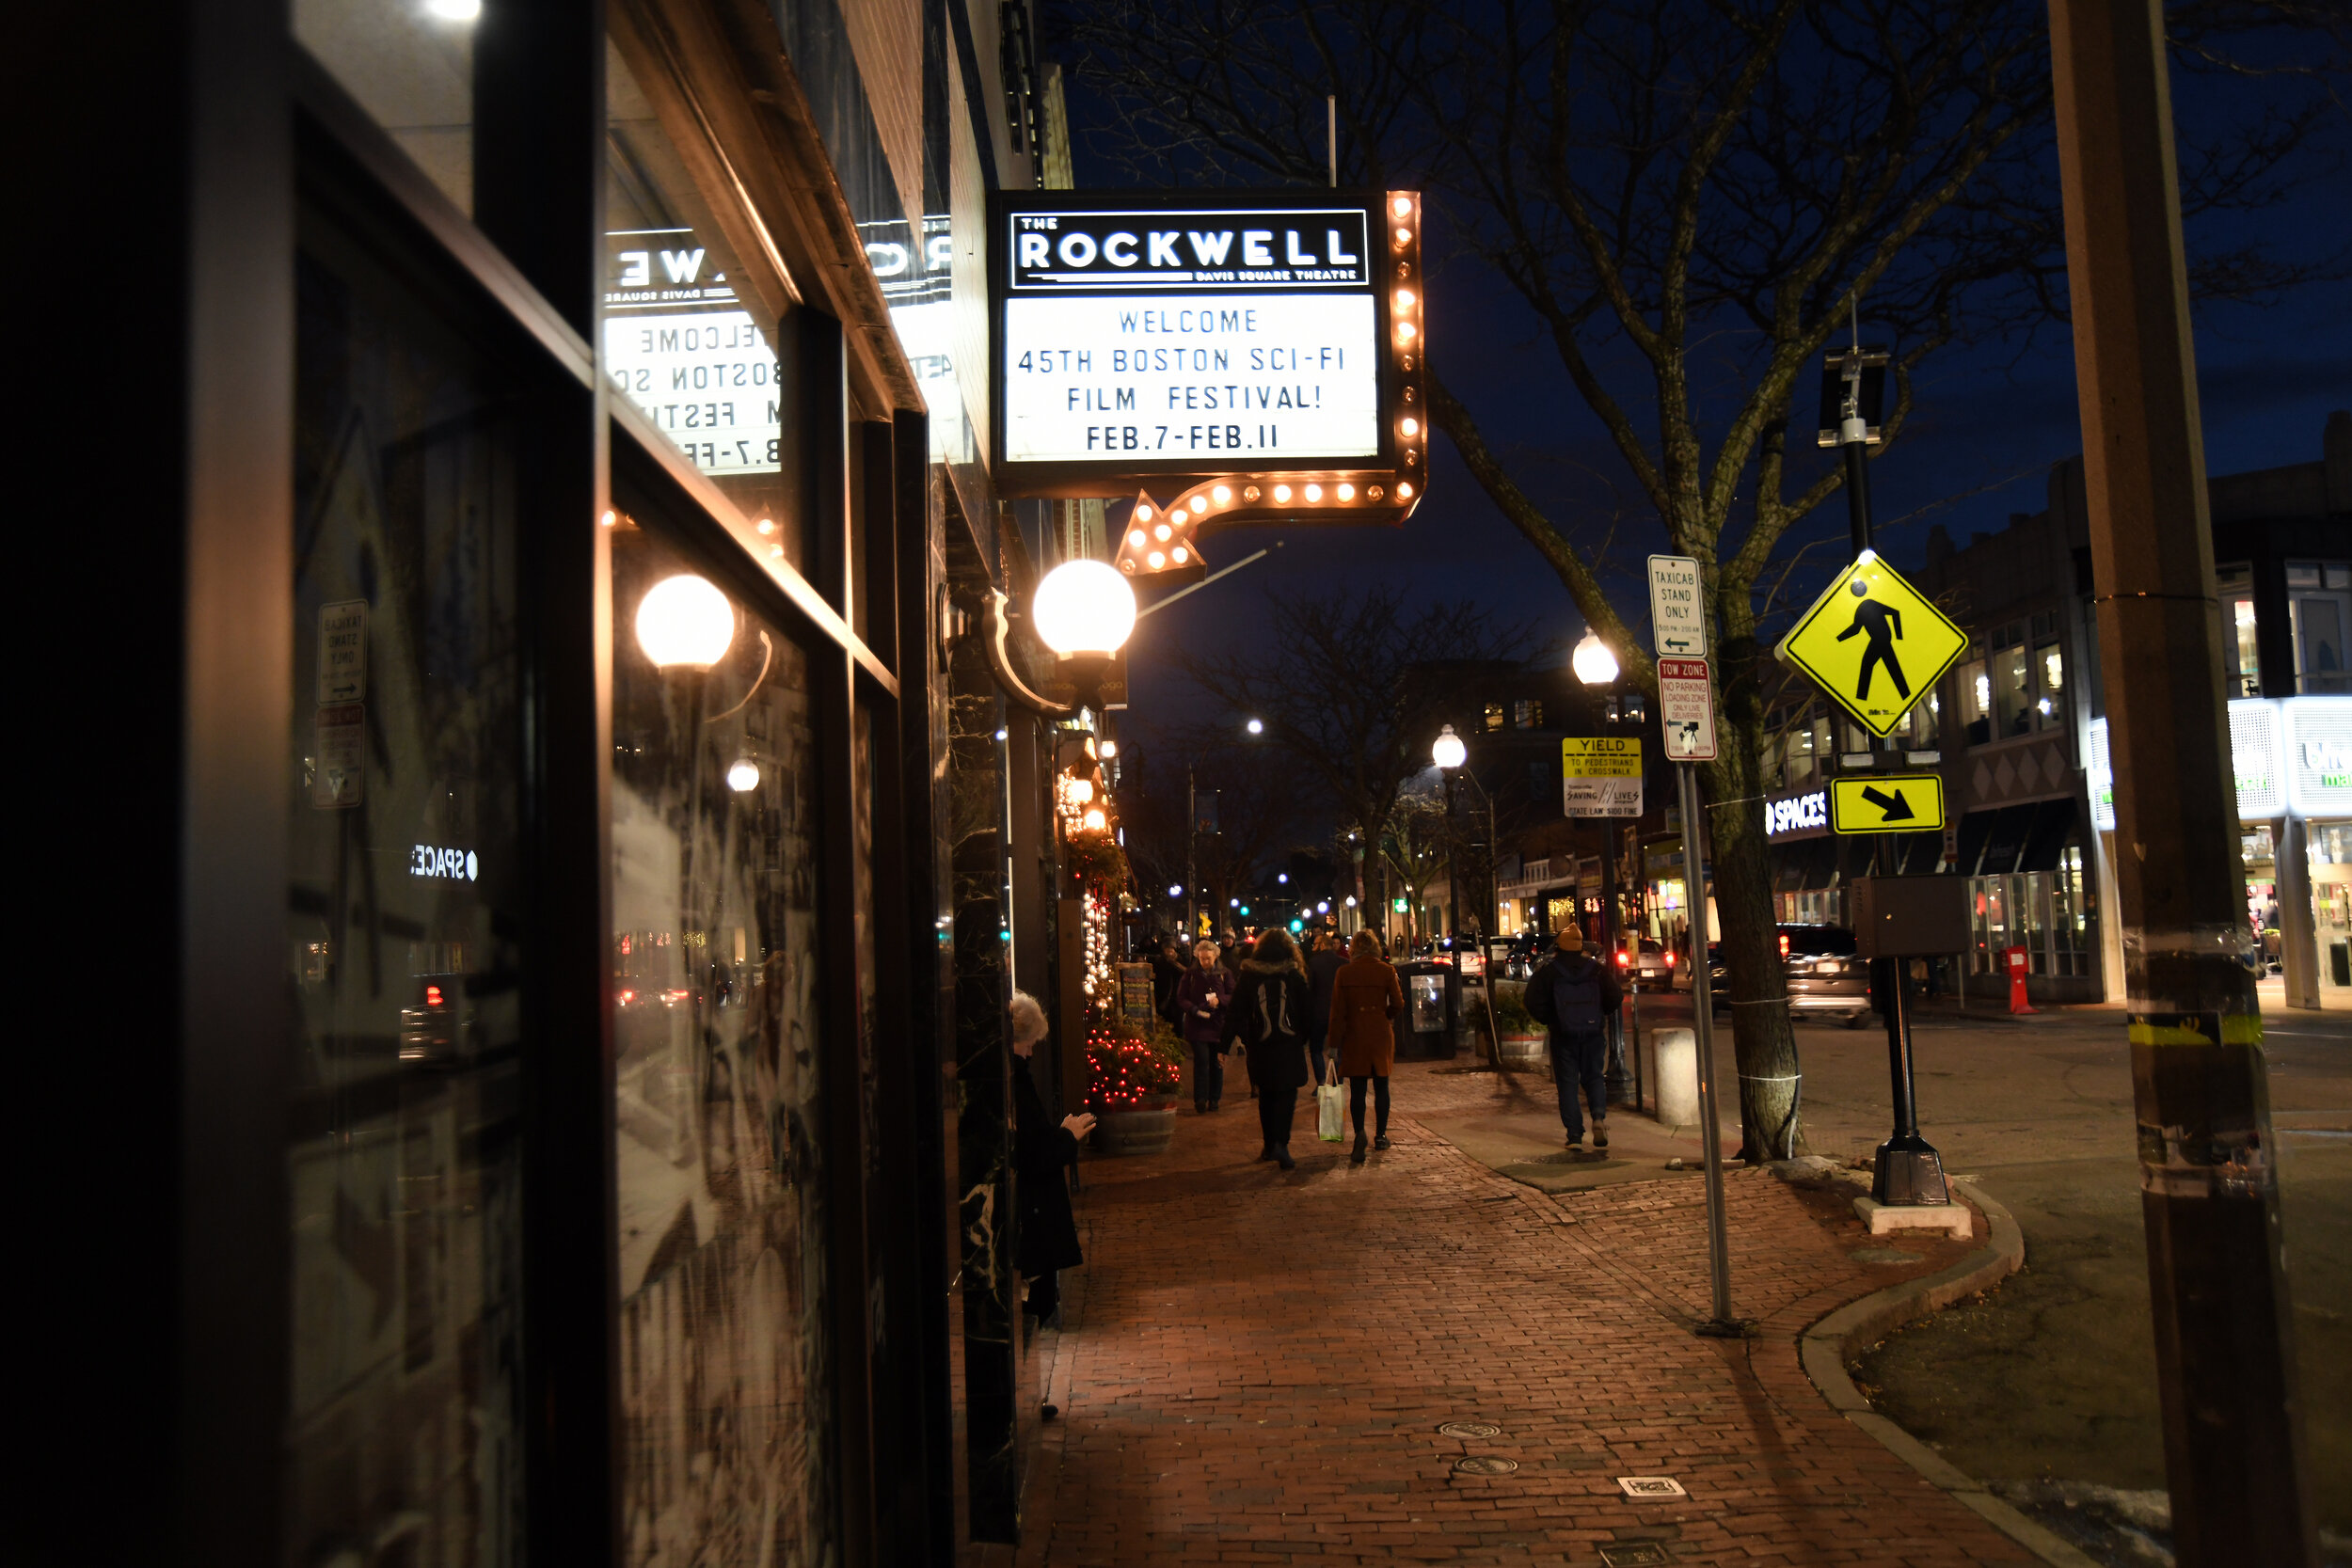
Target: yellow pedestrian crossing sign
1887 804
1874 643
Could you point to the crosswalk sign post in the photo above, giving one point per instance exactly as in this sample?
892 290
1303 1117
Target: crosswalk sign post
1874 644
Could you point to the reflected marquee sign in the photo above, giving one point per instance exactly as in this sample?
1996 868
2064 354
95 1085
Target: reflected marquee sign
679 346
1164 341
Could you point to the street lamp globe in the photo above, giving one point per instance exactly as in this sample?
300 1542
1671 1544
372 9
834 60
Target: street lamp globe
1593 664
1175 890
744 776
685 623
1084 607
1447 750
1255 726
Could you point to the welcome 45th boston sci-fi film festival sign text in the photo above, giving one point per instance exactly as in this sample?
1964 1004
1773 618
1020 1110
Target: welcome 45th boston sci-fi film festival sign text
1266 346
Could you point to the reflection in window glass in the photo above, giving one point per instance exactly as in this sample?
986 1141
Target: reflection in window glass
410 63
2243 646
726 1393
687 339
404 905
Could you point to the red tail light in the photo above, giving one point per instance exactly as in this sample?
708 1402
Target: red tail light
1622 959
628 996
432 997
1784 944
1670 959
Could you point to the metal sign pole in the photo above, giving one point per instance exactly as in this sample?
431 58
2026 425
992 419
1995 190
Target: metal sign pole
1702 1021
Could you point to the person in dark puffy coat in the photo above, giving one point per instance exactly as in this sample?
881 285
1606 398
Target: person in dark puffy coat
1201 997
1574 995
1268 1015
1322 968
1047 1242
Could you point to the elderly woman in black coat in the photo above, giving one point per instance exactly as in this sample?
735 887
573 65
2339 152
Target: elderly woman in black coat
1047 1240
1268 1015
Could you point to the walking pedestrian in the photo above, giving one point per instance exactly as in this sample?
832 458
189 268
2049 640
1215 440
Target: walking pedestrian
1574 995
1268 1016
1047 1242
1201 998
1323 967
1365 1000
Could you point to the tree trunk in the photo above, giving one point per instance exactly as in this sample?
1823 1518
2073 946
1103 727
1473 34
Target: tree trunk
1763 1043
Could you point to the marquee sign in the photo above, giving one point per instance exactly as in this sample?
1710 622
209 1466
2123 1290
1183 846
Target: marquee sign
1253 358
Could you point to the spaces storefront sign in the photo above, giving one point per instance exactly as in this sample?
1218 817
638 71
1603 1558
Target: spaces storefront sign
1797 816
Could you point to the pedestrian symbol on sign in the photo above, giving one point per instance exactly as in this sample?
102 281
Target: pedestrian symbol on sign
1883 624
1869 623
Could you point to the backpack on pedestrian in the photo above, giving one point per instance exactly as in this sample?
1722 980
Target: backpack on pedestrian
1541 1006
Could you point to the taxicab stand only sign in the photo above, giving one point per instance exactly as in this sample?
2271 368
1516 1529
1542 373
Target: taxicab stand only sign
1686 709
1601 775
1873 644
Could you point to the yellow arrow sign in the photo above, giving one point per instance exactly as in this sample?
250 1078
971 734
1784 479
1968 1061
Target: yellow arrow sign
1874 643
1889 803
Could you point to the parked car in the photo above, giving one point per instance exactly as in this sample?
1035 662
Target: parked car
1649 963
1825 976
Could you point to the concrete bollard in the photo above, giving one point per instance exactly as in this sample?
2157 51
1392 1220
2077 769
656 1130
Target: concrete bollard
1677 1052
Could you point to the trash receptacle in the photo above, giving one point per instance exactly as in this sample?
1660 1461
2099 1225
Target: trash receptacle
1421 1034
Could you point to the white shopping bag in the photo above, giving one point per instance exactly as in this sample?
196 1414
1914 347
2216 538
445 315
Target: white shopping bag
1330 1113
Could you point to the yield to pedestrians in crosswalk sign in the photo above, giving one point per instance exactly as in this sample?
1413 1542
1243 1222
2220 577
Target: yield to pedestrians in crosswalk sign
1873 644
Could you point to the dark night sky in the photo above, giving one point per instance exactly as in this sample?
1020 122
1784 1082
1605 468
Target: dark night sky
1990 420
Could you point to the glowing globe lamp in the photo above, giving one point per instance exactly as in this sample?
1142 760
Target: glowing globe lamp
1593 664
684 623
1084 608
1447 750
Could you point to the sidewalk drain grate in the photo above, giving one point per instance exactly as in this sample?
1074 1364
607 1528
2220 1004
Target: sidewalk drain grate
1485 1464
1634 1554
1469 1429
1650 1486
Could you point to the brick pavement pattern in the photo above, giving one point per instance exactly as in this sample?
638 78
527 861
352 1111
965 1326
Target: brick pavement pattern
1254 1366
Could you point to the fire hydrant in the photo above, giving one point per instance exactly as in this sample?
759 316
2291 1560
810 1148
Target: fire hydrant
2017 957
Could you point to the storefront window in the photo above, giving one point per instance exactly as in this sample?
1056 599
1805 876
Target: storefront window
404 1426
1921 727
2012 692
2319 612
2049 672
410 66
1976 702
727 1387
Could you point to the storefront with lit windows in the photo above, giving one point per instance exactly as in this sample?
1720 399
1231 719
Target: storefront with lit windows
579 1128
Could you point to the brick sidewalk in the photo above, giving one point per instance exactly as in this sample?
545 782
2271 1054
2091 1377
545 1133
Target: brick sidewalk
1256 1365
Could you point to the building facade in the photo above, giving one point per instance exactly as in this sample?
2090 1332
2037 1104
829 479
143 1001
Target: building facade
567 1118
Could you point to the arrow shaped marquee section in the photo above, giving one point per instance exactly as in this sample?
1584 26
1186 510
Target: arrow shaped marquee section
1888 804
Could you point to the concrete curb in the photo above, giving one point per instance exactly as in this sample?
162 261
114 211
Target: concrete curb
1823 1348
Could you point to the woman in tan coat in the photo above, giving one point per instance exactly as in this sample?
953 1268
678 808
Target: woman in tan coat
1365 998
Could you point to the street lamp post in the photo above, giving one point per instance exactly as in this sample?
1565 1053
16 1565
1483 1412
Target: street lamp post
1596 667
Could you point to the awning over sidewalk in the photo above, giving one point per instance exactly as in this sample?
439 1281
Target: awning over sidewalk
1804 866
2053 830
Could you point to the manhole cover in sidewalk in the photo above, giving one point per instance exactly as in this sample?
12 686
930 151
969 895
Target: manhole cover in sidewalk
1650 1486
1469 1429
1485 1464
1634 1554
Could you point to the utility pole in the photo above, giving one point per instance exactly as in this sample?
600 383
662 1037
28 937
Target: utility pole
1907 1169
2225 1347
